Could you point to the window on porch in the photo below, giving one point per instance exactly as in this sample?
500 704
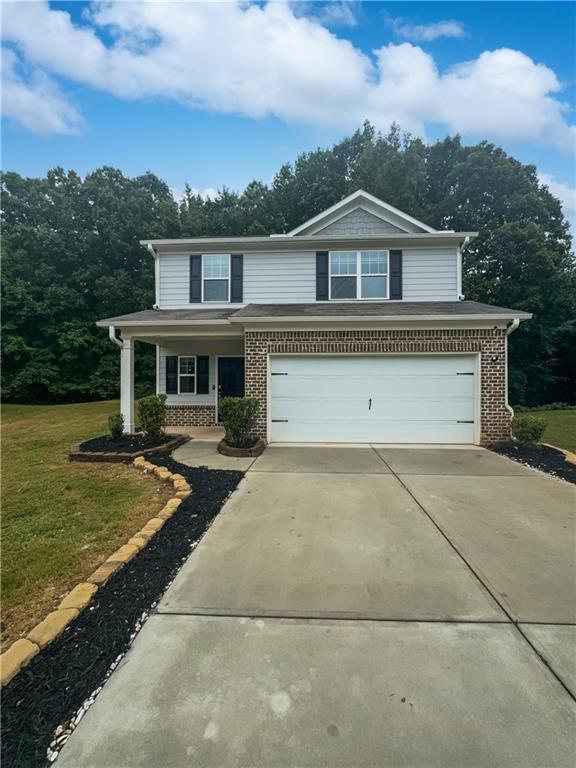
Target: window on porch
187 375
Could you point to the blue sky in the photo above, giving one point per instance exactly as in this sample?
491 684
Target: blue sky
217 94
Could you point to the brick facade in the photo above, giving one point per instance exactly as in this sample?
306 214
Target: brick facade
490 343
190 416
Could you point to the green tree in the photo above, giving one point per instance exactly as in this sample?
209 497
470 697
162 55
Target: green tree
71 253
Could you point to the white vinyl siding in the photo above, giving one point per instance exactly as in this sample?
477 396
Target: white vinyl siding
277 278
429 274
193 348
174 280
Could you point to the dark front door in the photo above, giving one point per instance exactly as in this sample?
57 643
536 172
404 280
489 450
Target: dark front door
230 377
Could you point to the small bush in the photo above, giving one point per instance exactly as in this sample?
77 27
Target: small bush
152 413
238 415
116 425
528 429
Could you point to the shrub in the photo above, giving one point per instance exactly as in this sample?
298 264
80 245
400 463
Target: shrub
152 413
549 407
528 429
116 425
238 415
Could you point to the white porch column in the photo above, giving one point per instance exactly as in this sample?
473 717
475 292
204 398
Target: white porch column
127 384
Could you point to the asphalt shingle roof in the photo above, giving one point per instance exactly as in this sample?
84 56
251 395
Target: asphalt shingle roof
374 309
352 309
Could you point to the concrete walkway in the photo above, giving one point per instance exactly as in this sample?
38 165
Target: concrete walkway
358 606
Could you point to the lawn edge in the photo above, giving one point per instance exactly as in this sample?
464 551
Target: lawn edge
21 651
571 457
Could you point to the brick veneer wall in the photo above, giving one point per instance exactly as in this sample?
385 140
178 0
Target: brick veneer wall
190 416
495 417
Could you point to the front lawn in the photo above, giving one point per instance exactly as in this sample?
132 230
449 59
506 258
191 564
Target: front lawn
560 429
60 520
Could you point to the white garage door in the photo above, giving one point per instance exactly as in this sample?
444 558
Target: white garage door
385 399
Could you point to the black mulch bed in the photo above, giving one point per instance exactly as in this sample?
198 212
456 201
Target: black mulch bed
54 685
127 444
541 457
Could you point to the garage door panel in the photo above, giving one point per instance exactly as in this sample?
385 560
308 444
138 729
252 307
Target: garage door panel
424 410
395 399
374 386
294 385
351 409
312 431
324 408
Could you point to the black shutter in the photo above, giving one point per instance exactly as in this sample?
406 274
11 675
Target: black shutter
395 274
237 273
172 375
202 374
195 279
321 275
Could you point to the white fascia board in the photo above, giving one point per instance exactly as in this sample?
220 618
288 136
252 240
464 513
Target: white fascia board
359 194
174 323
372 318
289 244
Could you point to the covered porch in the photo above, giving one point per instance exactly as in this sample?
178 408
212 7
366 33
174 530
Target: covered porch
196 364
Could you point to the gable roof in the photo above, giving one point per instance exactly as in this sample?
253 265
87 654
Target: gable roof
369 203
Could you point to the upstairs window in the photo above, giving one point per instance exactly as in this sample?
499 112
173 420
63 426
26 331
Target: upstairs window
216 277
358 275
187 375
374 274
343 274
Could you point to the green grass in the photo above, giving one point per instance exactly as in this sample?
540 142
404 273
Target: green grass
560 428
60 520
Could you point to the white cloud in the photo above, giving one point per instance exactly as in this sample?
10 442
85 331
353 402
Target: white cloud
339 14
426 32
564 192
208 193
259 60
36 103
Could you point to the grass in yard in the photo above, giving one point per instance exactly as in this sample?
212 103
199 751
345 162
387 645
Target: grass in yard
560 428
60 520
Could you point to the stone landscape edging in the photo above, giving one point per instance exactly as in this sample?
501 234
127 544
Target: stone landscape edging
76 454
568 455
24 649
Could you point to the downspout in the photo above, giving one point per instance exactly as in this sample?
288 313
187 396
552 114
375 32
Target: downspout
113 337
156 275
511 328
459 268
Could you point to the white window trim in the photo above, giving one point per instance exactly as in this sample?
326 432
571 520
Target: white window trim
218 301
359 274
188 375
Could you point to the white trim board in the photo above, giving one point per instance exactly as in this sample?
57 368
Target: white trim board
326 217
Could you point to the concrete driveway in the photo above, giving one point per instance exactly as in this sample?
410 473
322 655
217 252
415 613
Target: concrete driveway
359 606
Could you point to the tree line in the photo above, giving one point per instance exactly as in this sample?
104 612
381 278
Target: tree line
70 252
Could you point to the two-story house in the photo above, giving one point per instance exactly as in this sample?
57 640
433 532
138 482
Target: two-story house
350 328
